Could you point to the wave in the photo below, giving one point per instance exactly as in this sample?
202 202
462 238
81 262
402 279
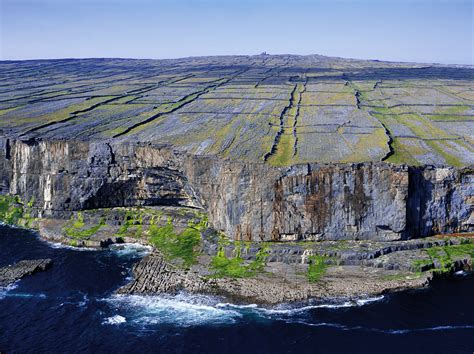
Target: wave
292 309
385 331
7 291
41 296
130 250
4 290
181 310
427 329
114 320
189 310
58 245
127 250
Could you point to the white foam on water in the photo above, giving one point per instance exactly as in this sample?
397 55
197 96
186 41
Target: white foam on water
130 249
189 310
115 320
235 306
365 301
386 331
180 310
427 329
322 324
25 295
4 290
85 300
186 310
2 223
289 310
58 245
7 292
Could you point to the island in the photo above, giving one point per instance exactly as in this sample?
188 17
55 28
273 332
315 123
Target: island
266 178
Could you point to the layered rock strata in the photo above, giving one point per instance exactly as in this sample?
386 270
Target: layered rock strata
244 200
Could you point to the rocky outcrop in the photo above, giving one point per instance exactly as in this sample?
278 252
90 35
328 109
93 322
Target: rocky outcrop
280 283
12 273
153 275
246 201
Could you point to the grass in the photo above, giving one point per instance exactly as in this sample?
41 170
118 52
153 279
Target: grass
401 155
284 152
422 127
377 139
446 256
451 113
161 110
438 147
415 275
132 219
285 149
66 112
77 231
176 246
316 268
420 264
6 110
234 267
11 209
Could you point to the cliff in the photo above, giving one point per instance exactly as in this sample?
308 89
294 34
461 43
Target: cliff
247 201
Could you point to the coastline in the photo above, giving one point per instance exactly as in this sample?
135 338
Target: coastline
278 282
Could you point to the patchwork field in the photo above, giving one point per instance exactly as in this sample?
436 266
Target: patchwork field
278 109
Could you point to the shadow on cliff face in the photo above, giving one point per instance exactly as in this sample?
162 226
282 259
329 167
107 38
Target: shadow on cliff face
420 191
157 186
433 201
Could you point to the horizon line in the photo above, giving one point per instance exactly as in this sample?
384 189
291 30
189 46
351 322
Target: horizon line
238 55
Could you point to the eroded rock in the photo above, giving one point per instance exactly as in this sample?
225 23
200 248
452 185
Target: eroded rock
12 273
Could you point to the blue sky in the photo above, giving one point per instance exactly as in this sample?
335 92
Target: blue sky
420 30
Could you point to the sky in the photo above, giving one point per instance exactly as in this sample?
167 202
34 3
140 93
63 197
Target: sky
438 31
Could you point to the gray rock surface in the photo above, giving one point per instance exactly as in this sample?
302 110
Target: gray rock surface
153 275
244 200
281 282
284 109
12 273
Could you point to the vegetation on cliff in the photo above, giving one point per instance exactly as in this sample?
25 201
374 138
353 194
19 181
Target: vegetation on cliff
235 266
442 259
178 246
77 229
316 268
14 212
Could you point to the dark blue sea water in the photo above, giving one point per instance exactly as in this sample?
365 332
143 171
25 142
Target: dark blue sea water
72 308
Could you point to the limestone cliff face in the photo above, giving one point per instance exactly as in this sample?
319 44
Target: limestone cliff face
246 201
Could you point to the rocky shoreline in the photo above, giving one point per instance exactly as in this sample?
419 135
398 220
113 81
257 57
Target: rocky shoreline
257 272
154 276
246 230
352 269
11 273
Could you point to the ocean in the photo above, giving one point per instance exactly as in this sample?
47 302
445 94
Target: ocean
72 308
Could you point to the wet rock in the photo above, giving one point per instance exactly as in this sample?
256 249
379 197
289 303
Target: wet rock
12 273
